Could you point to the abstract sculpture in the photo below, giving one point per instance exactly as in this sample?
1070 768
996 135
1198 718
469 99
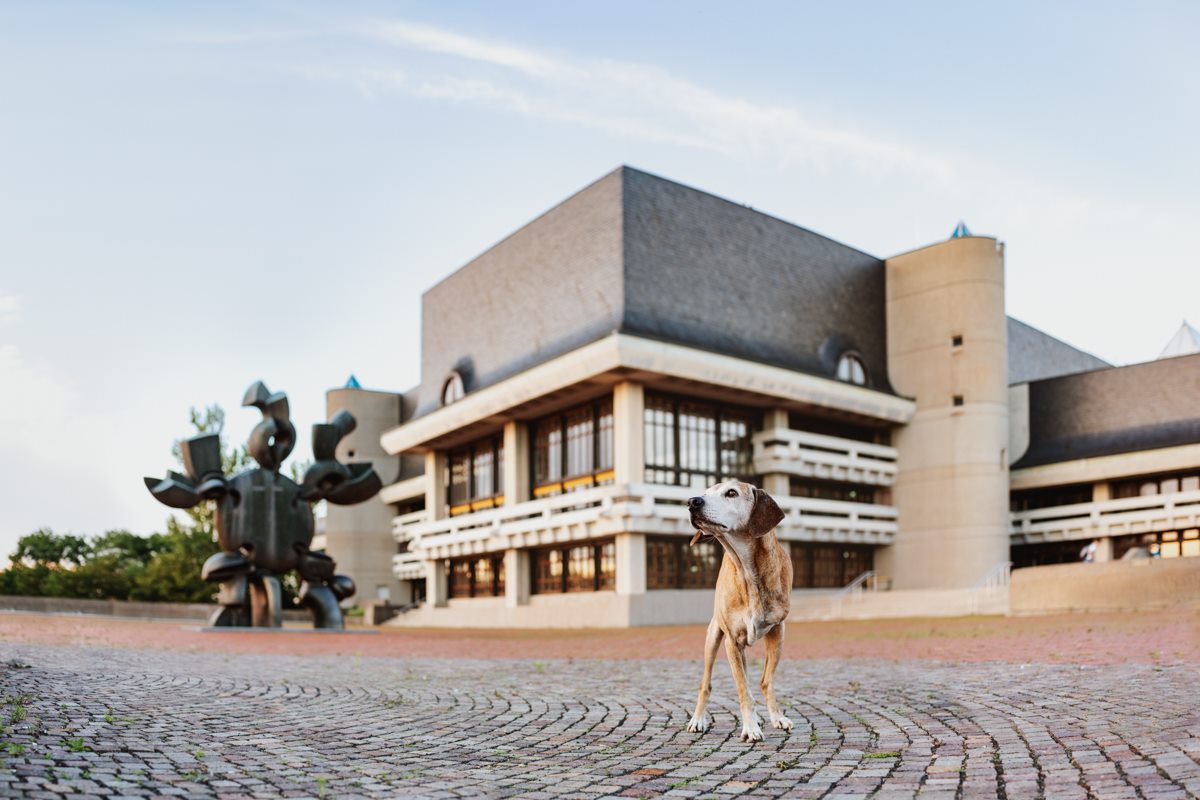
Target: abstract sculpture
265 520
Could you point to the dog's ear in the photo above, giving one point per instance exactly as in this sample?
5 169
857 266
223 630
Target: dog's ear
764 515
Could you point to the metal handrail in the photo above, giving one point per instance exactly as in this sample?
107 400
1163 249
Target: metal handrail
852 589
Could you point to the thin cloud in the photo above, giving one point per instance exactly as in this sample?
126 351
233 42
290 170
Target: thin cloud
10 309
631 99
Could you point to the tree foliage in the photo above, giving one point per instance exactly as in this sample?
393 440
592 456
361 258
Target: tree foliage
123 565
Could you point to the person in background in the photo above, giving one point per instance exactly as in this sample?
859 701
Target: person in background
1088 554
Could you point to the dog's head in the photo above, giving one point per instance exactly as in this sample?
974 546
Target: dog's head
734 508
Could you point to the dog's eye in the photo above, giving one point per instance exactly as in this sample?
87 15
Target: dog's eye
731 493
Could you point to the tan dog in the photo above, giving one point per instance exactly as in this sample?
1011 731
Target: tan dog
753 594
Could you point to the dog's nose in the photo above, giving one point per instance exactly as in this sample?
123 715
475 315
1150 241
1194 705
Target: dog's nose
695 502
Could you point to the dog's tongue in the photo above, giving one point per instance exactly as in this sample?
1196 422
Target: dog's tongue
695 538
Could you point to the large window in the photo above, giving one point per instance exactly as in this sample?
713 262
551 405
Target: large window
477 576
573 449
842 430
691 443
1157 484
1029 499
476 478
672 564
583 567
831 490
829 566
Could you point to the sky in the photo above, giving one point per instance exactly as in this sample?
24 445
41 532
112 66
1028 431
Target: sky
194 196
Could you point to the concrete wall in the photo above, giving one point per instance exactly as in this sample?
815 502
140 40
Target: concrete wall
108 608
951 492
1137 585
359 537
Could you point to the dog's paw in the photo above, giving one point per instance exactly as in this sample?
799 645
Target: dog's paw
698 724
781 722
752 731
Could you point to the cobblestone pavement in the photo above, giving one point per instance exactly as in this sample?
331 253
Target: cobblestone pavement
90 721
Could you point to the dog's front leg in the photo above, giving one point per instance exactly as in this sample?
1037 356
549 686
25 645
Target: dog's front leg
699 721
751 730
774 642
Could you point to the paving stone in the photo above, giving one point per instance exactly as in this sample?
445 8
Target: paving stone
169 724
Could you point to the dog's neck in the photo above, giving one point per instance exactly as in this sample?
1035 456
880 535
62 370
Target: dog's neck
753 559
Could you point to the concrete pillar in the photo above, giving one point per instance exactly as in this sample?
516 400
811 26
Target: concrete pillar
1104 549
359 537
631 563
952 487
516 578
1100 492
516 463
776 484
629 455
435 485
437 587
775 418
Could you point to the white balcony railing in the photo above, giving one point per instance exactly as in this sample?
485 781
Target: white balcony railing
407 566
1107 518
634 508
814 455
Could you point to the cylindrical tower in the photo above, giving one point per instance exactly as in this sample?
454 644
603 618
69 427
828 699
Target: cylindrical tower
359 537
948 349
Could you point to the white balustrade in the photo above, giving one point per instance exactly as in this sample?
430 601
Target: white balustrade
1107 518
815 455
636 508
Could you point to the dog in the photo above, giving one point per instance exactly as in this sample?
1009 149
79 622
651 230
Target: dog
753 595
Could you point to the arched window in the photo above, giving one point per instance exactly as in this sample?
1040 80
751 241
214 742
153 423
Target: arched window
850 368
453 389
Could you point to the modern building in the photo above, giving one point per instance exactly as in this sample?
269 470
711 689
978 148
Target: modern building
643 340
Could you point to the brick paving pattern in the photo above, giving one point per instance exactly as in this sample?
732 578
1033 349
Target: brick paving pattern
90 721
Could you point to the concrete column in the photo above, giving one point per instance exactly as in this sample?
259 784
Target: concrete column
359 537
1104 548
437 588
631 563
1100 492
776 484
952 486
629 455
516 463
516 578
435 485
775 418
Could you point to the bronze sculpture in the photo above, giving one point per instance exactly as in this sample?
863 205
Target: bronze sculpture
265 520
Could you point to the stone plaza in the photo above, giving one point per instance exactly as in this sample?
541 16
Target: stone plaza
203 715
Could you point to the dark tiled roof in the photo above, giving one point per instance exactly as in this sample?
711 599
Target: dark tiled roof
643 255
1114 410
706 272
1034 355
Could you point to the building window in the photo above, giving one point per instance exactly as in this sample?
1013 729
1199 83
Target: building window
573 449
829 566
842 430
580 567
477 576
1029 499
831 490
956 340
1163 544
672 564
690 443
1156 484
453 389
476 476
958 400
850 368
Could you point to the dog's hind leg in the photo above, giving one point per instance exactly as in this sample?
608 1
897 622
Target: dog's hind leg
774 642
751 728
699 721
